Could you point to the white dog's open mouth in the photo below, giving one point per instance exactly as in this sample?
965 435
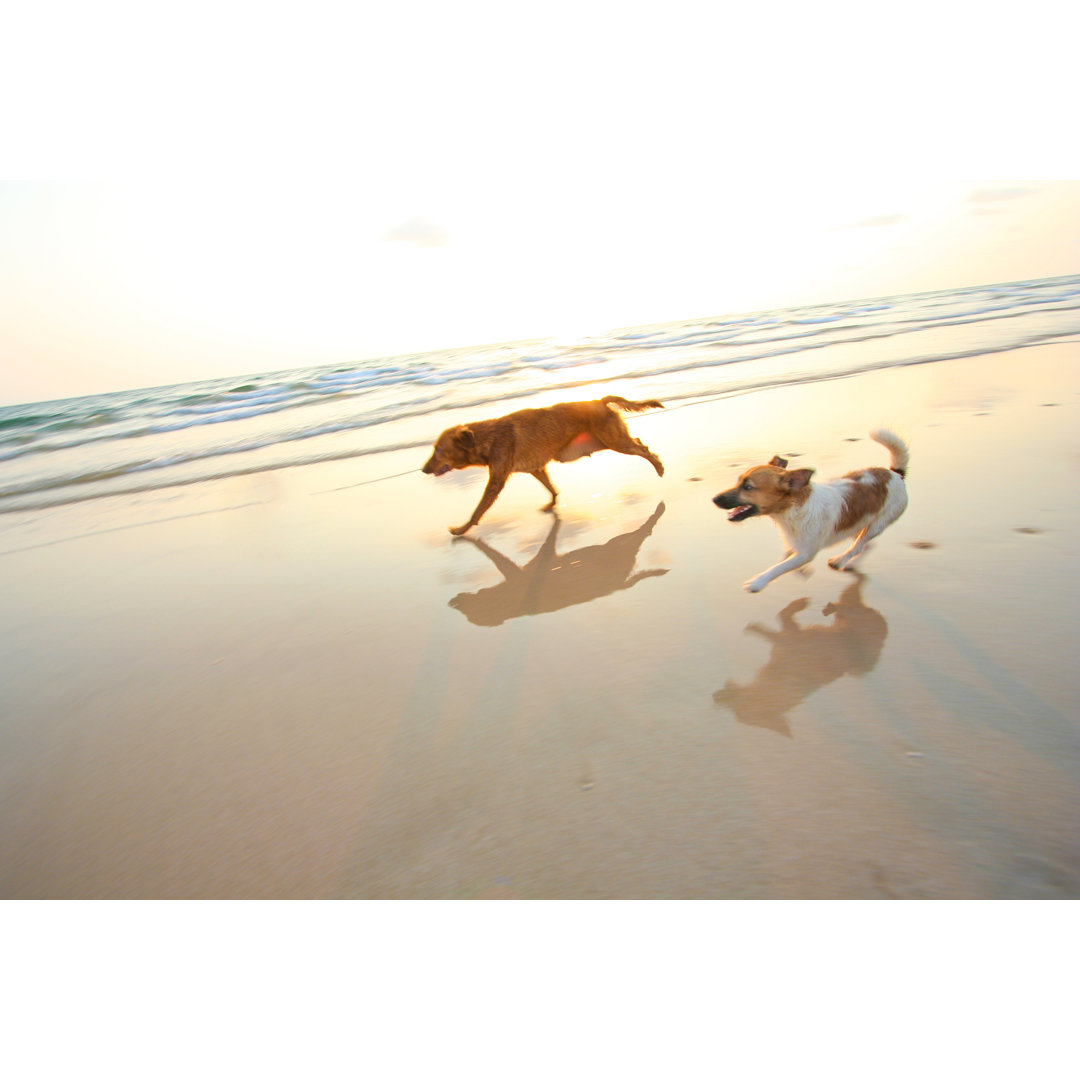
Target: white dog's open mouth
741 512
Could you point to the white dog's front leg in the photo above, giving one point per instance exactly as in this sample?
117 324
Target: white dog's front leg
792 562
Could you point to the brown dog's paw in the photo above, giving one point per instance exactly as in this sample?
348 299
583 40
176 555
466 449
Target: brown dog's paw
459 530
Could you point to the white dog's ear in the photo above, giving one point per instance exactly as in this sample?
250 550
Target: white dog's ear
797 479
780 462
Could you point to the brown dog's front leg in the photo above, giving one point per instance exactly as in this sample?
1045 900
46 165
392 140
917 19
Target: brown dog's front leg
542 476
495 484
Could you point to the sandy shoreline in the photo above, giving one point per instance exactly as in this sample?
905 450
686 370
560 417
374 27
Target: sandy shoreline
296 685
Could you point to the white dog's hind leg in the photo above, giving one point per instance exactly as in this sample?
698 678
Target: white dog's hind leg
840 562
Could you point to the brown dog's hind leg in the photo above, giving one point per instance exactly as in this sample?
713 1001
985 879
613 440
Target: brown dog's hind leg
649 456
614 435
542 476
629 445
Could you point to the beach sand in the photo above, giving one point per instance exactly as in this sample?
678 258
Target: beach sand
297 685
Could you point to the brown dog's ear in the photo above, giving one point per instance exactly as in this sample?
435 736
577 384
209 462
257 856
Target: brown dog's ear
779 461
465 437
797 479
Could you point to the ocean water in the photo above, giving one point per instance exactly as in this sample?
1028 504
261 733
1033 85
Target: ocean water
60 452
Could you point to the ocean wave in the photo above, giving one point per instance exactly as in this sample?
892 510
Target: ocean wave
21 420
149 439
23 501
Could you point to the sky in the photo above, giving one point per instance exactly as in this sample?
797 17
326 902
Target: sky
228 189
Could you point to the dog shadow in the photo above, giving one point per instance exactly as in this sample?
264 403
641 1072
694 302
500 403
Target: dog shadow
806 658
550 581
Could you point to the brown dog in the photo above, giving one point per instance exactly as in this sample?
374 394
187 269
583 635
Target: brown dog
526 441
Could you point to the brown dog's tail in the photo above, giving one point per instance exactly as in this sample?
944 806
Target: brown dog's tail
623 405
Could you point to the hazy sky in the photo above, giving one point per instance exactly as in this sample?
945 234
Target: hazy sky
238 189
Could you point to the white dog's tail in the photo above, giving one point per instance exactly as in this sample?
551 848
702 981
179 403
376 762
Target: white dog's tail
897 449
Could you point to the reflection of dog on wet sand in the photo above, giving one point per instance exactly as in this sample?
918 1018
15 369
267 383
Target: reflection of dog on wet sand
550 581
528 440
804 659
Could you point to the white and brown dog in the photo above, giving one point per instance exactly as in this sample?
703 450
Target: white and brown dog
813 516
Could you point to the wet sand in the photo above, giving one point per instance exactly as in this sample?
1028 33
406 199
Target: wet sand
296 684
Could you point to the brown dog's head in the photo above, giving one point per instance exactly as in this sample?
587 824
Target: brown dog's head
765 489
455 448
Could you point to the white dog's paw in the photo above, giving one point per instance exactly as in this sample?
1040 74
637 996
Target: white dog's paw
837 563
754 586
